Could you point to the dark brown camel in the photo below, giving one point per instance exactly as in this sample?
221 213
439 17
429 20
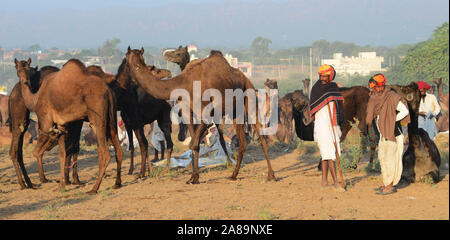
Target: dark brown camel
214 72
71 95
142 108
421 159
443 121
4 109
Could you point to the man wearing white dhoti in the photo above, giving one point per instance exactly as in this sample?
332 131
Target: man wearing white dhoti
390 112
327 113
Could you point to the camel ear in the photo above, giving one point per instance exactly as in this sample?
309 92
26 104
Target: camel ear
29 61
129 49
16 61
142 50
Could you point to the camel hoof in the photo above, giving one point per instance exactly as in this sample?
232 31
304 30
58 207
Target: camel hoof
78 182
271 177
193 181
117 186
232 178
92 192
45 180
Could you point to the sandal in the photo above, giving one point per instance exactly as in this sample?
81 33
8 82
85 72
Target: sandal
387 193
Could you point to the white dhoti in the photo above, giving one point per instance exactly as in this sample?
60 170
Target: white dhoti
157 137
323 134
390 156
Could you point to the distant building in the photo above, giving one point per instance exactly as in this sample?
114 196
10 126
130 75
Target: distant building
364 64
192 48
245 67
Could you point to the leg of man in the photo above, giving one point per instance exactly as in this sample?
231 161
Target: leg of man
387 149
325 172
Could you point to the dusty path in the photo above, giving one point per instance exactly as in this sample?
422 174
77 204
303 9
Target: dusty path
296 195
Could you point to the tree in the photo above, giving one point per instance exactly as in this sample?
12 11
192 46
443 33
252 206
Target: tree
425 60
260 47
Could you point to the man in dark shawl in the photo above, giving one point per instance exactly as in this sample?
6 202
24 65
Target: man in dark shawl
328 112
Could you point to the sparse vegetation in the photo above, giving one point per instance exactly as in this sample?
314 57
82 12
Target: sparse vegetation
265 214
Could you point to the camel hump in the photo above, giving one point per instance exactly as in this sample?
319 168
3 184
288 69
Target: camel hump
74 65
216 52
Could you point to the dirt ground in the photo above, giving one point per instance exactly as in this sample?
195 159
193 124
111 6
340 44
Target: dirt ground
296 194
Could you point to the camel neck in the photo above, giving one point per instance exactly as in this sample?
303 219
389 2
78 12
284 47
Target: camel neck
160 89
29 98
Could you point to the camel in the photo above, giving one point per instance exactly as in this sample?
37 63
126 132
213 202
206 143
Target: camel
442 122
4 109
181 57
67 96
421 159
214 72
138 113
20 121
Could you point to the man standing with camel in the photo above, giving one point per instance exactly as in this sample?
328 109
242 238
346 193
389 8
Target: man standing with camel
390 112
328 114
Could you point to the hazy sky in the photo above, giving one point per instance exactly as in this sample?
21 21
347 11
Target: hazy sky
217 23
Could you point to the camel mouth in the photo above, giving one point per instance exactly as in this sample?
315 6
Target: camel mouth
165 52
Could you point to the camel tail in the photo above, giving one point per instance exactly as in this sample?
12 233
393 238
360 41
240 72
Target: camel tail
112 117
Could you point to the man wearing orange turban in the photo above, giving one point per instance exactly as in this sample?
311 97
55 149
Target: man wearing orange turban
429 108
389 111
326 95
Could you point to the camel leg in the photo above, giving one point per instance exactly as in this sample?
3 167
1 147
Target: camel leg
103 157
62 161
131 148
270 172
242 146
143 146
195 147
44 143
119 156
16 154
73 148
222 143
166 128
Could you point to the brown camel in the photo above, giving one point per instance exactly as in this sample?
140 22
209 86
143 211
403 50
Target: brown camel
214 72
181 57
20 121
71 95
4 109
443 121
421 159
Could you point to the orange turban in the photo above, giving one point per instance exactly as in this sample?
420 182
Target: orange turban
326 69
377 80
423 85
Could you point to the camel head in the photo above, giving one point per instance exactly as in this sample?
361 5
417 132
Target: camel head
159 72
410 93
271 84
300 103
24 70
135 58
179 56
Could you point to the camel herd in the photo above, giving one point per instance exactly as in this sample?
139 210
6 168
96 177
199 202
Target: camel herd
64 98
